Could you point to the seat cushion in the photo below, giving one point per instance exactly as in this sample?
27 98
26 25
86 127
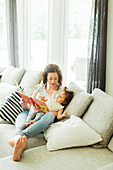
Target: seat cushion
84 158
7 132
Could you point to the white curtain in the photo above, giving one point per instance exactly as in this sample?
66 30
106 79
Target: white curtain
12 32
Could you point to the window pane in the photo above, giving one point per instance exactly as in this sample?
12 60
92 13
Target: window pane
3 51
79 17
39 33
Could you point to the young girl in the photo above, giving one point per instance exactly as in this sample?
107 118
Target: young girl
54 104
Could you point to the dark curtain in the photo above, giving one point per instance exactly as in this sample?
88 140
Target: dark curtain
97 46
12 33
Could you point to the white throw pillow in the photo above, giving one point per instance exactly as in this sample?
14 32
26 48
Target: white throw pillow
5 90
71 133
11 75
30 79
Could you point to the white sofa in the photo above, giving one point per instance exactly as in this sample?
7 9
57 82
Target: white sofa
95 110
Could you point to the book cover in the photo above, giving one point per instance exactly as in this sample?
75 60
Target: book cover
30 100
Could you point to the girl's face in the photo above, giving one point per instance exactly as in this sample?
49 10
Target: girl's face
52 79
60 97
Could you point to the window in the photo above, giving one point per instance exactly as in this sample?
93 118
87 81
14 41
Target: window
33 33
53 31
3 48
39 33
79 17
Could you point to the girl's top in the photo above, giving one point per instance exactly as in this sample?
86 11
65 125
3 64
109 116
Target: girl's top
51 103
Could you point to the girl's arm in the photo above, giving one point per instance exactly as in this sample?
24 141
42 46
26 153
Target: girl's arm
61 114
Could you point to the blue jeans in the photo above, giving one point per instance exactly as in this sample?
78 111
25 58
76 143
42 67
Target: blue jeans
36 127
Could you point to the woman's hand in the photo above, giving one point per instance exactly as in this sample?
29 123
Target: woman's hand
36 108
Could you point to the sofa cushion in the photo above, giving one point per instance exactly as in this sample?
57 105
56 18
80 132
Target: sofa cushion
110 145
2 69
107 167
7 132
100 116
30 79
71 133
76 89
2 121
79 104
83 158
5 90
12 75
11 108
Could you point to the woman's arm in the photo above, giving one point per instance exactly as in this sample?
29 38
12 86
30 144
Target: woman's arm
61 114
34 94
25 105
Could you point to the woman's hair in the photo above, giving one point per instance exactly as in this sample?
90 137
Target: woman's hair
69 95
52 68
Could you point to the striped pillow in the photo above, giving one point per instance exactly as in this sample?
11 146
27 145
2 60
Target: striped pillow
11 108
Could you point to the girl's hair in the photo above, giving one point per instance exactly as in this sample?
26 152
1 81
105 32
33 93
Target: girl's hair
69 95
52 68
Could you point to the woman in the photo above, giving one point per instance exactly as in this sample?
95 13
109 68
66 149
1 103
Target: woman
52 82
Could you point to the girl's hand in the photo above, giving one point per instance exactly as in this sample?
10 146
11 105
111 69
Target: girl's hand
64 113
23 104
30 123
42 98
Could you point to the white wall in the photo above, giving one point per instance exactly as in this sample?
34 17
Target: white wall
109 66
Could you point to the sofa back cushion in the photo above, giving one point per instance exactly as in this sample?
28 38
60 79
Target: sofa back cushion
110 145
12 75
76 89
5 90
79 104
30 79
80 101
2 69
100 116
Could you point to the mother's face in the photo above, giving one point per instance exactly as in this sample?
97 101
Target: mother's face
52 79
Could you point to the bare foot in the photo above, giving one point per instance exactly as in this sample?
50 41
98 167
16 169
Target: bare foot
13 140
19 147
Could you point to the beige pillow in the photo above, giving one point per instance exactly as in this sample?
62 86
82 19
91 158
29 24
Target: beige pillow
79 104
110 145
5 90
100 116
12 74
30 79
71 133
2 69
76 89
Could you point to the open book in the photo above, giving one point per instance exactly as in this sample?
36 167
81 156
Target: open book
30 100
